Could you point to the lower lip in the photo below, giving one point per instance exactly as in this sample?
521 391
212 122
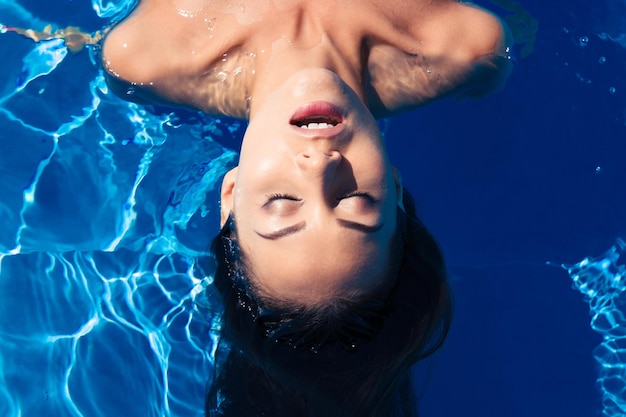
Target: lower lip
322 109
318 108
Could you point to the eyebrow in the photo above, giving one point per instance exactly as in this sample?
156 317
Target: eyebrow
285 231
360 226
290 230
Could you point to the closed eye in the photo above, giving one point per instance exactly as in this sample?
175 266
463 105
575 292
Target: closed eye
278 196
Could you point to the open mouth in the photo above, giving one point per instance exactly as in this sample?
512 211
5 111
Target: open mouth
315 122
317 115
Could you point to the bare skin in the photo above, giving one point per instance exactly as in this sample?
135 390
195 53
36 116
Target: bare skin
313 175
224 57
310 76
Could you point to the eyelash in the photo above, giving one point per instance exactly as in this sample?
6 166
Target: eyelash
362 194
279 196
367 196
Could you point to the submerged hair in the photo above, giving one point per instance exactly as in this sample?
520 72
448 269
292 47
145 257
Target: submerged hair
348 356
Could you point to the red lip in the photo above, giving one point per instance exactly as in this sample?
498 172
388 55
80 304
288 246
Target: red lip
318 112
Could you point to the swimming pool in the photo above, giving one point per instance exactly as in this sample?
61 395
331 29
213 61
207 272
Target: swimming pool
106 205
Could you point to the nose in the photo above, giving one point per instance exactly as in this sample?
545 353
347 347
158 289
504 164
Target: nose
320 168
319 162
326 173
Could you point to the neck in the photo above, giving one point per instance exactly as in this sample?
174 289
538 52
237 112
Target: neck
285 58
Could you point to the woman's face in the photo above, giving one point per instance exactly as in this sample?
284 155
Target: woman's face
314 197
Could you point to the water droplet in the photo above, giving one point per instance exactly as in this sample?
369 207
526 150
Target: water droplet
210 23
602 60
187 13
583 79
612 90
130 91
42 90
429 71
598 170
583 41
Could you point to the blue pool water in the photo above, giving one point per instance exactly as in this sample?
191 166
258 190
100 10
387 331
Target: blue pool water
106 205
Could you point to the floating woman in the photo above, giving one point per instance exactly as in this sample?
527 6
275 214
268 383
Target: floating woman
332 287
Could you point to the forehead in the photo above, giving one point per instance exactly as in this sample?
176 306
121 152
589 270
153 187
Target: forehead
316 264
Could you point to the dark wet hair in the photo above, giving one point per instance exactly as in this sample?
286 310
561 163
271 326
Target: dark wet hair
346 357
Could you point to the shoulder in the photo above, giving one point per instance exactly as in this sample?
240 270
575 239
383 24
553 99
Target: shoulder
446 48
133 48
160 36
169 56
462 31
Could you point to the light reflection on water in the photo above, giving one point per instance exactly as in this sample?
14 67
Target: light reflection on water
105 210
602 281
103 333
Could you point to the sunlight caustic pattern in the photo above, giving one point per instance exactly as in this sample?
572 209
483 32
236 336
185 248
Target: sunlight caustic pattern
602 281
106 209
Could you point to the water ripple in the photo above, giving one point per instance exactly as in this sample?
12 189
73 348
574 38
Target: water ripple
602 281
106 207
91 341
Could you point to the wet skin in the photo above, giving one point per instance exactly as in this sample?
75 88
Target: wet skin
314 197
223 57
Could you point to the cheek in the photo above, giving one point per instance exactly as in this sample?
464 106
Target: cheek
245 206
260 170
371 151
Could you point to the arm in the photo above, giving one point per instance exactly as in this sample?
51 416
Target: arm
75 39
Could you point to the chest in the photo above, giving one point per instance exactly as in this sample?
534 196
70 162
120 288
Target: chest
208 54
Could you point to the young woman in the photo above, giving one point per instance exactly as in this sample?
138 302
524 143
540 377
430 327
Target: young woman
331 286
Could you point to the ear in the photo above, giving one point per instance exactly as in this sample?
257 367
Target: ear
397 178
226 197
